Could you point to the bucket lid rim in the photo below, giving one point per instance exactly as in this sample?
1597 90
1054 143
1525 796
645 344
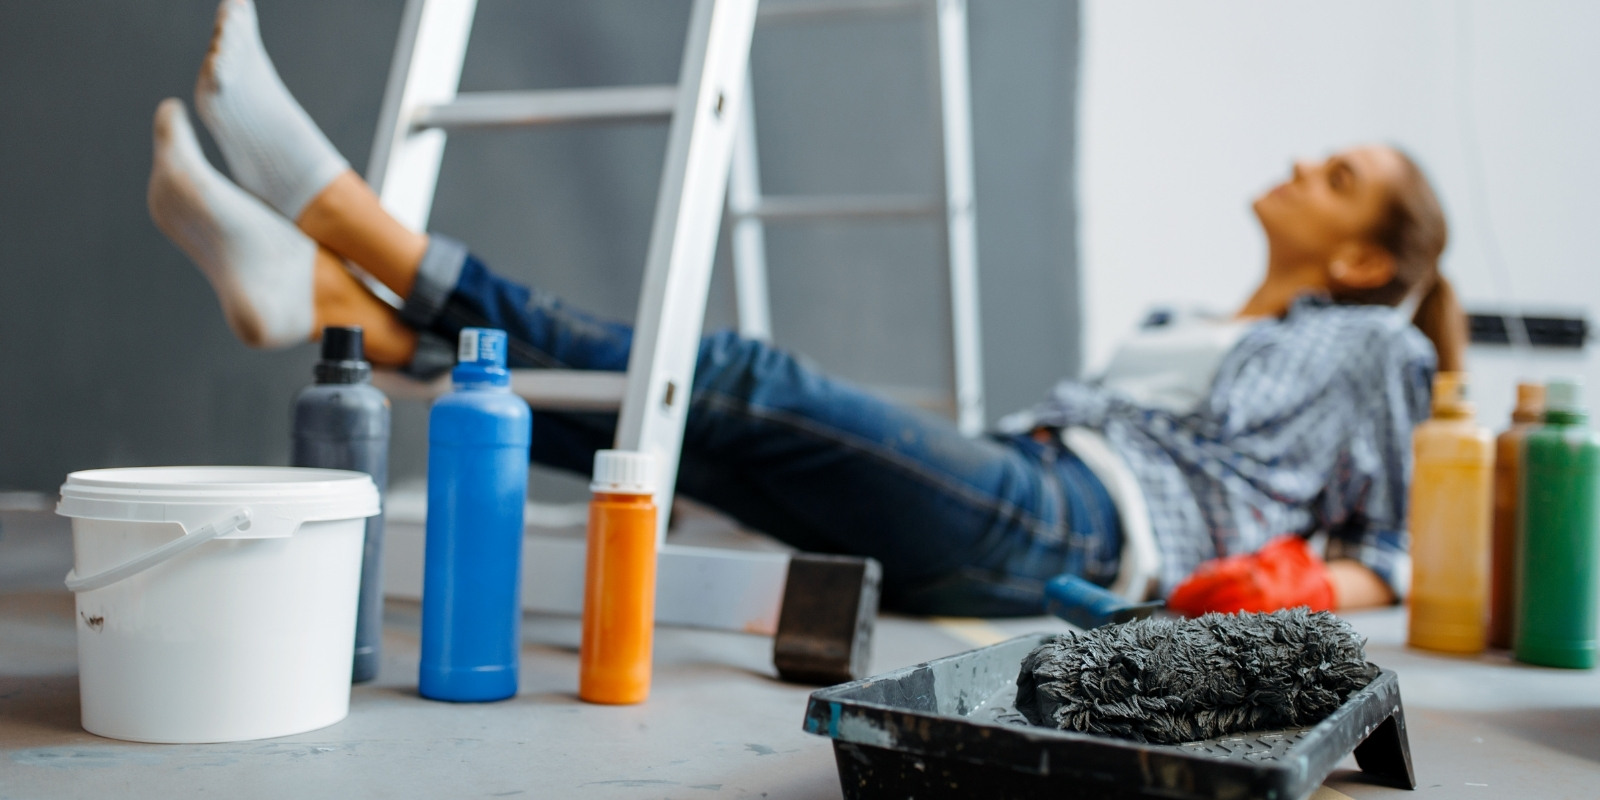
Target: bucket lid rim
118 493
221 479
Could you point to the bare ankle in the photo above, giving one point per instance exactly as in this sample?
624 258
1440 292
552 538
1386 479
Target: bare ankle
347 218
340 299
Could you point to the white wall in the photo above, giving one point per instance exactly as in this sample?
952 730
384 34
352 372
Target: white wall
1191 109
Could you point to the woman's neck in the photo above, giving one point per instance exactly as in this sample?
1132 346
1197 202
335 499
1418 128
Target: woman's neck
1285 281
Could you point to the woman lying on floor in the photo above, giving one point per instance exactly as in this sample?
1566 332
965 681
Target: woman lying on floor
1204 441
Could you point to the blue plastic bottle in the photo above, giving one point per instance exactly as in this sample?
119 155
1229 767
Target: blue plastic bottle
477 484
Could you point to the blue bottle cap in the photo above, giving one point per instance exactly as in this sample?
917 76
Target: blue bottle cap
481 357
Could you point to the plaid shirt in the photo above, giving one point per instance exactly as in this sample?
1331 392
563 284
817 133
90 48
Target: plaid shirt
1307 428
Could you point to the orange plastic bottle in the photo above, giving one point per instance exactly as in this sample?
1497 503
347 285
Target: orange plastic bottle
1450 509
619 591
1527 416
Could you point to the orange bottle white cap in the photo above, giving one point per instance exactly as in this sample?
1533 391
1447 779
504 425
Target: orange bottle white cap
624 472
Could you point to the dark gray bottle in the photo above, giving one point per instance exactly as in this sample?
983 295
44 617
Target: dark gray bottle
342 422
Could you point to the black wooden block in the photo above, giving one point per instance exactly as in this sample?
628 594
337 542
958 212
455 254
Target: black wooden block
830 605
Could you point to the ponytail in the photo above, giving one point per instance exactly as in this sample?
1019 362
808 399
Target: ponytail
1440 318
1413 230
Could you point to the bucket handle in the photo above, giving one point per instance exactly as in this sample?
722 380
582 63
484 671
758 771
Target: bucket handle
237 521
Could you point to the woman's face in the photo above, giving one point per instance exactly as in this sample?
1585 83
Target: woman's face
1331 206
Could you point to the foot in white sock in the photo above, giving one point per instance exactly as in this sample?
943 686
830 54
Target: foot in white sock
271 145
259 264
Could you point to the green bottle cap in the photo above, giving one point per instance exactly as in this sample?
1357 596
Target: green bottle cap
1564 395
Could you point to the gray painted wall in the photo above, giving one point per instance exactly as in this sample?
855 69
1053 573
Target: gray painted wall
113 350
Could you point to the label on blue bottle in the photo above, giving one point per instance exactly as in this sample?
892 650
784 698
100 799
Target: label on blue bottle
467 350
483 347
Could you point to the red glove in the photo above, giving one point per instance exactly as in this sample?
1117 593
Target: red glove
1283 574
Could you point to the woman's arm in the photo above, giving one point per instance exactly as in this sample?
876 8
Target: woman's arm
1356 586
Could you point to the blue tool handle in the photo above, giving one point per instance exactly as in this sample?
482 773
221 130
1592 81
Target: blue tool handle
1089 606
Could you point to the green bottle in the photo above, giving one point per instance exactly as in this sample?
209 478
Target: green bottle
1558 565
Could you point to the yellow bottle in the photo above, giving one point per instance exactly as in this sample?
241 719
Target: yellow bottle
1451 502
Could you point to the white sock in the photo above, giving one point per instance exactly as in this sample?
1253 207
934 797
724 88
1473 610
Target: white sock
259 264
271 145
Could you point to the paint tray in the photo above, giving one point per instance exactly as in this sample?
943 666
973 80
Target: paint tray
949 729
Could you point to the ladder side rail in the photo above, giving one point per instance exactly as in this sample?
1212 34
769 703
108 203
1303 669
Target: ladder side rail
404 168
955 110
384 138
683 236
749 240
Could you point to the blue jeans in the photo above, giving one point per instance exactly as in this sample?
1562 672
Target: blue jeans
962 526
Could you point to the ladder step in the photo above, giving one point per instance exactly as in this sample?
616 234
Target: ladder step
590 390
936 400
806 10
777 209
551 107
696 587
544 389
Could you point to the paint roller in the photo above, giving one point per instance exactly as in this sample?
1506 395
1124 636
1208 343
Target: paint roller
1147 678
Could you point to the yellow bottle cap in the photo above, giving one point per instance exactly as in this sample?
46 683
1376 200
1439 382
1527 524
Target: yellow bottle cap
1450 395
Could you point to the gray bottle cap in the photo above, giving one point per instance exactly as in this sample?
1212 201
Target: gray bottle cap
342 359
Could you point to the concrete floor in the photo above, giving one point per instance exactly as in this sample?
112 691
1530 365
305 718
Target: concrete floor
718 724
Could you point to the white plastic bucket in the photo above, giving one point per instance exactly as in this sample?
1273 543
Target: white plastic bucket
215 604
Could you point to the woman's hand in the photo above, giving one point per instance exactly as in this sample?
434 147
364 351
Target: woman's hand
1357 586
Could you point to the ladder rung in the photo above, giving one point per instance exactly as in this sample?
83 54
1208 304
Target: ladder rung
806 10
570 390
845 206
927 399
552 107
547 389
590 390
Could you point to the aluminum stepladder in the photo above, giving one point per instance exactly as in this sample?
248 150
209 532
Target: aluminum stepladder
696 586
749 210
